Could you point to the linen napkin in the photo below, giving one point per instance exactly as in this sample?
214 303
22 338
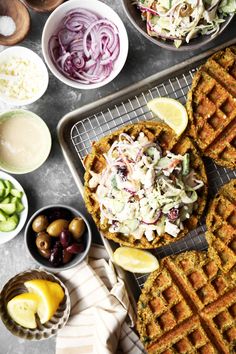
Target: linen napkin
101 313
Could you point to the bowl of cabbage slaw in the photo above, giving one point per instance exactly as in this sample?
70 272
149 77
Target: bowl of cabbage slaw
85 43
180 24
23 76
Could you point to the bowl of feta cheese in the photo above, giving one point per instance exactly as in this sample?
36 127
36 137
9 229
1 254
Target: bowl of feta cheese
23 76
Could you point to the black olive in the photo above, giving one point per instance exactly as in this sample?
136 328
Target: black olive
75 248
56 255
65 238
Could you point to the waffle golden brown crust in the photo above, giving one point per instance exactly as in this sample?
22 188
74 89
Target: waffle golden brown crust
188 306
221 227
166 138
211 107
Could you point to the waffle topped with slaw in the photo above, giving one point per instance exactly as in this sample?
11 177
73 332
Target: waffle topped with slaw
143 187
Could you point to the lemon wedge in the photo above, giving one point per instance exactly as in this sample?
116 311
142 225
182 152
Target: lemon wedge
22 309
171 111
50 294
135 260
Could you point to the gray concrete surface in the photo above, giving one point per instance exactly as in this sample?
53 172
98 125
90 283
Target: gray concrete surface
52 182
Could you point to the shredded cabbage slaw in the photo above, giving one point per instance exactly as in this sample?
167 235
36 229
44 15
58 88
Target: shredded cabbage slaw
182 20
143 193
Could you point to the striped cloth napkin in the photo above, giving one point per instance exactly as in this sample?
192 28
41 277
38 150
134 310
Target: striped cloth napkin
100 308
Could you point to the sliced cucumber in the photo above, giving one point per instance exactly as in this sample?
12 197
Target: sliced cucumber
185 164
8 187
114 182
8 208
14 200
10 205
2 185
3 216
14 218
132 224
8 184
6 200
117 205
19 206
10 224
16 193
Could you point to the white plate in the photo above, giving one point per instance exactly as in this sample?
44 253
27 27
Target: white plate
7 236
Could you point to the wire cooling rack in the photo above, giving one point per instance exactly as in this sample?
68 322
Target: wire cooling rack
80 128
93 127
133 110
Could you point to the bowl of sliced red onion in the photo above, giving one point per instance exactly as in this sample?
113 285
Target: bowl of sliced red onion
85 43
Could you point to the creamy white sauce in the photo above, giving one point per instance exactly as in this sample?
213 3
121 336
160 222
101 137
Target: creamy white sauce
23 142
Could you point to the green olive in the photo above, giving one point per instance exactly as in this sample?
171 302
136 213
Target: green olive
45 253
57 226
40 223
43 241
77 227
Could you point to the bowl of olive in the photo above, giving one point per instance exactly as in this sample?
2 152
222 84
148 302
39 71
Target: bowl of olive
58 237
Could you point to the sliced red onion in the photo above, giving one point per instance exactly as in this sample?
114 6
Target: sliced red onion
85 47
147 9
130 191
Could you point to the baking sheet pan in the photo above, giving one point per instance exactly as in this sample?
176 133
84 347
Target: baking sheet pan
79 128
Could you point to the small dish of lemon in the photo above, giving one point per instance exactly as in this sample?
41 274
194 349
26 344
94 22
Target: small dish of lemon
171 111
43 299
34 305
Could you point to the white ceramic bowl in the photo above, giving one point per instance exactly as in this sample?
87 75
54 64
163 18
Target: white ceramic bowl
98 7
7 236
25 141
29 55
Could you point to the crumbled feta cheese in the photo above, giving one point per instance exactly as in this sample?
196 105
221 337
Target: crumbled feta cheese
20 78
171 229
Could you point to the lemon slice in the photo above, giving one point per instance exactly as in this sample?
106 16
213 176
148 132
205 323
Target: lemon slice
50 295
135 260
22 309
172 112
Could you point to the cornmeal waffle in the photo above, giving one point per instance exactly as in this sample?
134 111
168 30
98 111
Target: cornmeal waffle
221 227
188 306
166 138
211 107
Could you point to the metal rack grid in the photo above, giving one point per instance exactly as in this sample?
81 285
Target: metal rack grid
135 109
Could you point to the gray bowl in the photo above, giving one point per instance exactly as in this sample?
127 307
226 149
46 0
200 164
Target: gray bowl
134 15
30 237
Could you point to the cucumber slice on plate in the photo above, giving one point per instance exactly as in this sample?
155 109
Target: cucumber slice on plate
6 200
10 224
3 216
19 206
10 205
16 193
9 208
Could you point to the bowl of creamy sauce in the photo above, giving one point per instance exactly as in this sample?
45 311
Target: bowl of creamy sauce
25 141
